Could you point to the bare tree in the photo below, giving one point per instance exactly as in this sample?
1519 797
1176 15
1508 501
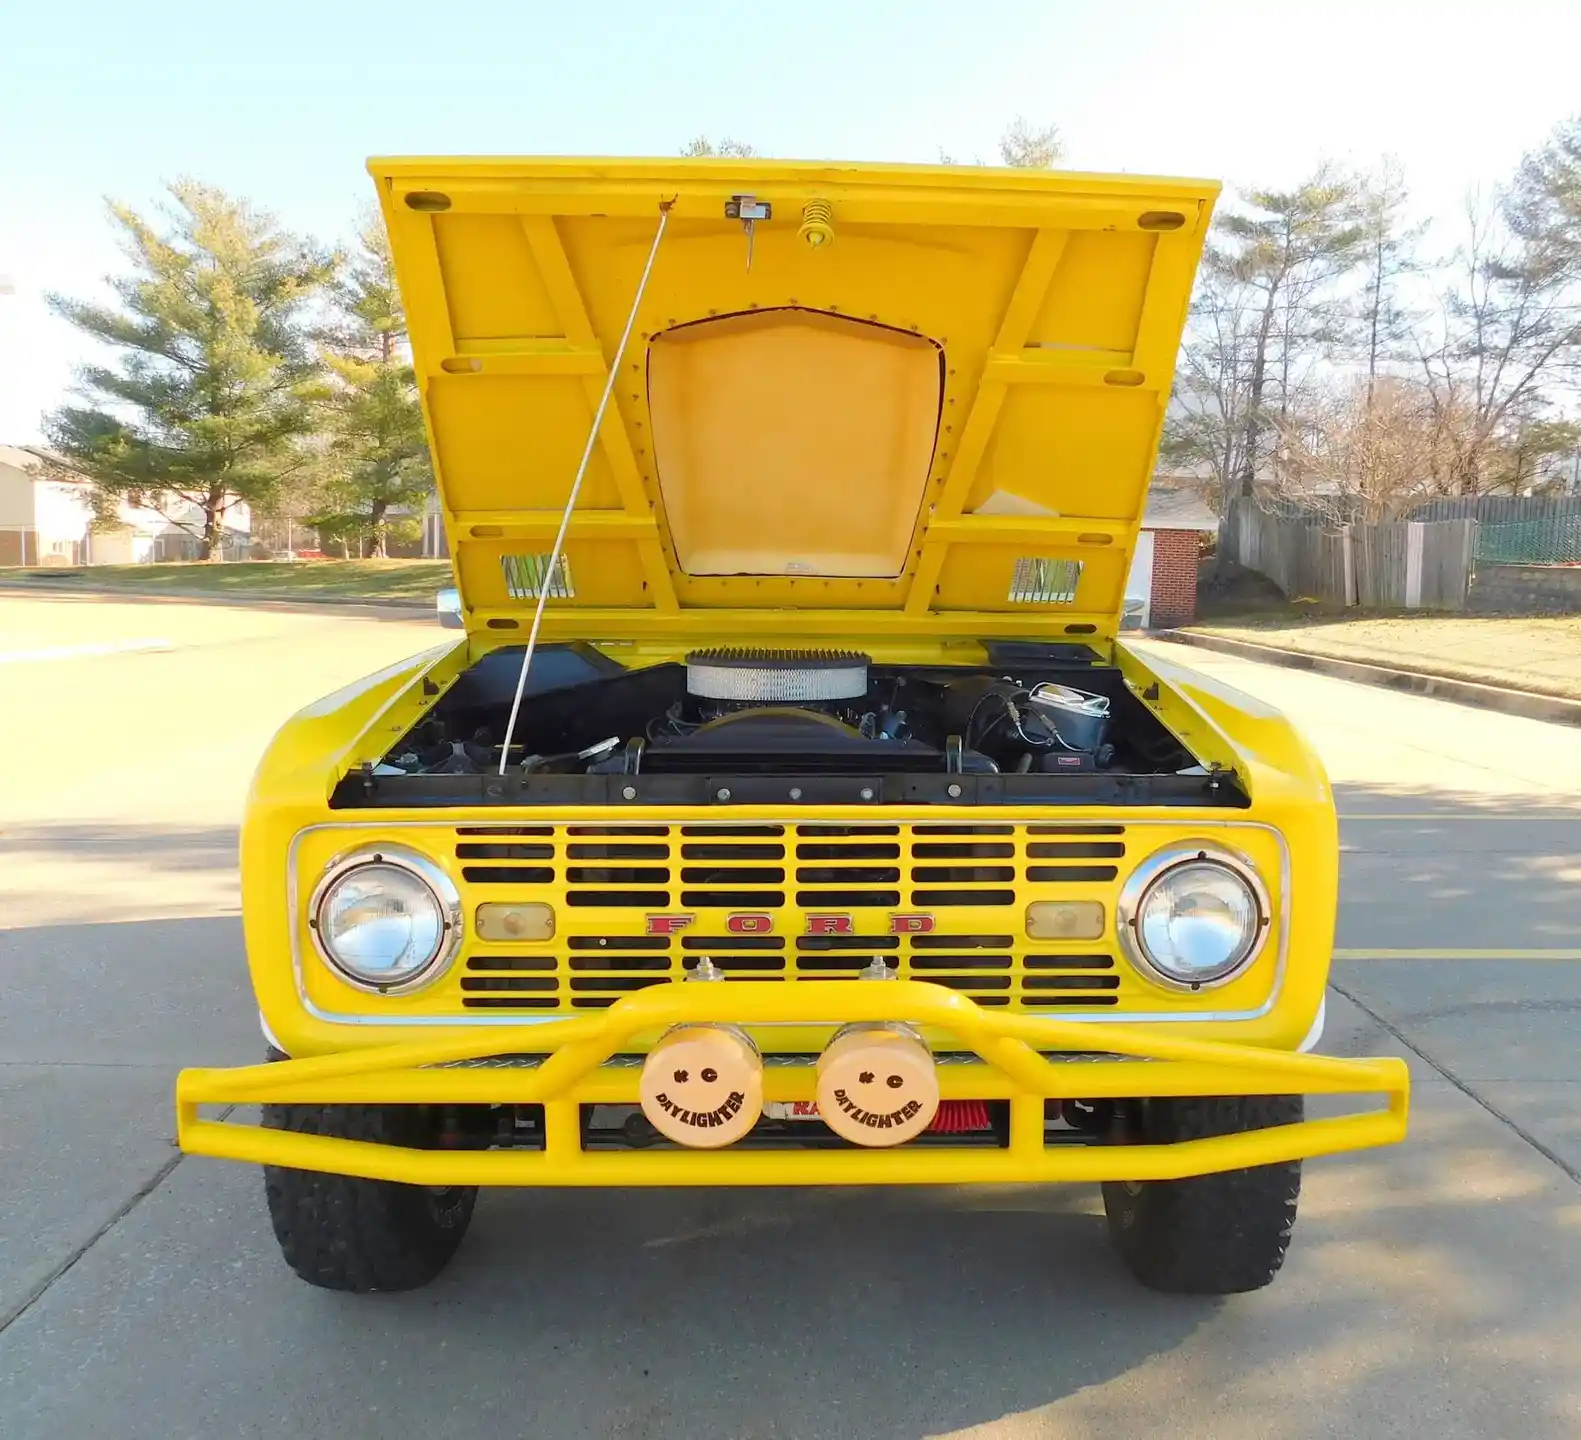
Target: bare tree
1389 254
1363 450
1023 146
1206 424
1509 331
725 149
1031 147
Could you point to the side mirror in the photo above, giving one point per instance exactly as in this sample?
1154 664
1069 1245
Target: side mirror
449 608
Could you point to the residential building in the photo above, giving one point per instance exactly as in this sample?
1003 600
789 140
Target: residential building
1161 590
47 518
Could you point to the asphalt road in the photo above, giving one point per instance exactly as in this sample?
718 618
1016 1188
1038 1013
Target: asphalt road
1433 1290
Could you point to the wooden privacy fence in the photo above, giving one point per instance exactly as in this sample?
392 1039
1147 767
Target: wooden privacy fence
1407 565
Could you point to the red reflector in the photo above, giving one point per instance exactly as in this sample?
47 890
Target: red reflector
956 1117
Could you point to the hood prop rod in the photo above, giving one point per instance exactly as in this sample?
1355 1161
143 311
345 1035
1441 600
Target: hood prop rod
546 583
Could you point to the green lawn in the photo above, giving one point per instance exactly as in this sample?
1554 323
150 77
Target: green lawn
415 580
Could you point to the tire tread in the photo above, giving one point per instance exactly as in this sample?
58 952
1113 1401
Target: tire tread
341 1232
1221 1234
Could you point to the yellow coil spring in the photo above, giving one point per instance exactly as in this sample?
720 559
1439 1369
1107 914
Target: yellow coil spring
817 227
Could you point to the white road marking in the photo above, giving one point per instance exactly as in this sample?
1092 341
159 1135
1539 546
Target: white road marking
80 652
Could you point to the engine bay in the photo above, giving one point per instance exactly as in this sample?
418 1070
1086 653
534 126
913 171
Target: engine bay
1032 718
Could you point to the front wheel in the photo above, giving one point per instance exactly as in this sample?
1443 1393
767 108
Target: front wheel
1208 1234
342 1233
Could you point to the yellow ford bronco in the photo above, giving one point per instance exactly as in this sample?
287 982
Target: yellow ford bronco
791 811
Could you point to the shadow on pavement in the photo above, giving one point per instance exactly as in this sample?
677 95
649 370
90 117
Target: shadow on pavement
82 874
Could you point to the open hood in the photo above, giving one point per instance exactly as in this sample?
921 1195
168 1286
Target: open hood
891 400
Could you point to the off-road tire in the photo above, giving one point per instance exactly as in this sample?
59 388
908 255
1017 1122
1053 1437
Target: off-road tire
1210 1234
341 1233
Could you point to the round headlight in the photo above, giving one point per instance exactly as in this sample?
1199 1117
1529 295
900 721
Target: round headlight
387 920
1193 917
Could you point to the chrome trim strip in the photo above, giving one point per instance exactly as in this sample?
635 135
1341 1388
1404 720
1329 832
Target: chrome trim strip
927 817
1316 1032
269 1035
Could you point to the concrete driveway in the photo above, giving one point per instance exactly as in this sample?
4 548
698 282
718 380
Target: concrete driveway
1432 1291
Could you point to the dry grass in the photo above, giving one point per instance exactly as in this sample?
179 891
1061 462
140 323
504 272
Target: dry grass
1541 654
414 580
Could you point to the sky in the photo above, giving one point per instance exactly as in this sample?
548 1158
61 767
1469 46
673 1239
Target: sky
283 102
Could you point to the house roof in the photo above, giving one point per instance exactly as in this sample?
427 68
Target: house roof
1172 508
37 460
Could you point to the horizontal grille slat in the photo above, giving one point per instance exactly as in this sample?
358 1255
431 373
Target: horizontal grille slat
726 831
495 831
1068 962
929 961
512 962
733 942
1072 982
1075 829
857 830
728 962
620 983
926 898
848 852
732 852
509 982
618 875
848 874
618 899
963 874
734 899
508 874
619 942
505 852
843 899
732 875
847 942
620 961
1070 874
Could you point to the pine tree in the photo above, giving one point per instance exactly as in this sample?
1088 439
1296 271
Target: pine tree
1282 253
214 385
374 455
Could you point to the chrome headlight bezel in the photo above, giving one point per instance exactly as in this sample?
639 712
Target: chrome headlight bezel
446 897
1159 865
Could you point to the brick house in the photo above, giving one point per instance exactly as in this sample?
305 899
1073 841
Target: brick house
1161 590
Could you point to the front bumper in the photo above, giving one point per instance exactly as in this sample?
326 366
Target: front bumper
1025 1059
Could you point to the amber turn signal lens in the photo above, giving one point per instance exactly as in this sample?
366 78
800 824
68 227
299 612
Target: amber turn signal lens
1065 920
514 922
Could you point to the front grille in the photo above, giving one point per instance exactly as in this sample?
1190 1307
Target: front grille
938 902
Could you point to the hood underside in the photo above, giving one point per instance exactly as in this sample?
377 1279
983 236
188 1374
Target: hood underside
901 401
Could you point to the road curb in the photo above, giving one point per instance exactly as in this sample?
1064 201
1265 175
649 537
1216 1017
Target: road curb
252 599
1524 703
